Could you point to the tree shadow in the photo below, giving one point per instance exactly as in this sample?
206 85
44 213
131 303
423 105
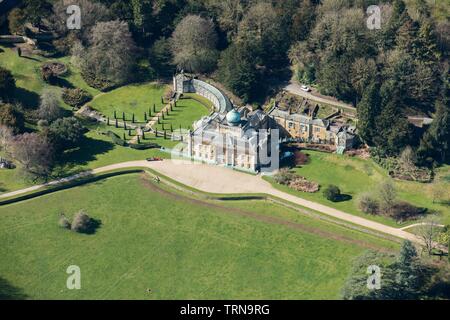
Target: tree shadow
63 83
94 225
440 290
87 151
10 292
30 58
28 99
344 197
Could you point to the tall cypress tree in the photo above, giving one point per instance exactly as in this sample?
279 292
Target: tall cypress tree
368 110
407 275
435 143
398 17
393 131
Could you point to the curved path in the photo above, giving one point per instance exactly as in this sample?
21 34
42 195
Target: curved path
295 88
216 179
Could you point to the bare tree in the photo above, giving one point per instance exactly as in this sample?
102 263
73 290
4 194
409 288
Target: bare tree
49 106
194 44
387 195
112 52
92 13
428 231
438 191
34 153
407 159
6 136
229 14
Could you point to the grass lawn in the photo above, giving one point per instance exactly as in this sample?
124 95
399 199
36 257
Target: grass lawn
130 99
26 71
96 150
11 179
27 74
355 176
180 249
183 115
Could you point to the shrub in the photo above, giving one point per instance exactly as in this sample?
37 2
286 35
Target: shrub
81 223
49 108
296 182
51 71
75 97
11 117
42 124
444 236
284 176
48 75
368 204
300 158
116 139
144 146
387 195
303 185
332 193
64 222
97 83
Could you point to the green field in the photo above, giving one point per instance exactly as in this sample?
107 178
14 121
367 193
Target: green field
179 248
26 71
355 176
131 99
183 115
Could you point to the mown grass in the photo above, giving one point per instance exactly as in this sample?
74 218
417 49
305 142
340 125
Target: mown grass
183 115
95 150
26 71
130 99
176 248
356 176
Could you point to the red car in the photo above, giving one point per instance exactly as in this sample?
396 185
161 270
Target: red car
154 159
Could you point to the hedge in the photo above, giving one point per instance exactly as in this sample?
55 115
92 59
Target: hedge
144 146
116 139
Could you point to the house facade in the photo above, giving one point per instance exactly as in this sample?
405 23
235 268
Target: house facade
229 136
307 128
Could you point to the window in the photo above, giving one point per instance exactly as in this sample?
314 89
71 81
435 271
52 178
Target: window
317 129
291 125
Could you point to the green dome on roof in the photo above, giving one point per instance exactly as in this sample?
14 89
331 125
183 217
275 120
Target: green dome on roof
233 117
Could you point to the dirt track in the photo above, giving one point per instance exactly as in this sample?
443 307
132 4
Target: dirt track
256 216
220 180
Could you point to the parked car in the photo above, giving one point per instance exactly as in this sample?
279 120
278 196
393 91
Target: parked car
154 159
305 88
5 164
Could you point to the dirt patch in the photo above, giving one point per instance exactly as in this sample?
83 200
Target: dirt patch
267 219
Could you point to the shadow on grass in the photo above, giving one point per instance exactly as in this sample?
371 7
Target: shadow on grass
9 292
28 99
344 197
88 151
63 83
94 225
30 58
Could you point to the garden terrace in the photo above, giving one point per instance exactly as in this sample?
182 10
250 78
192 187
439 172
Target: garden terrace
186 84
220 101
